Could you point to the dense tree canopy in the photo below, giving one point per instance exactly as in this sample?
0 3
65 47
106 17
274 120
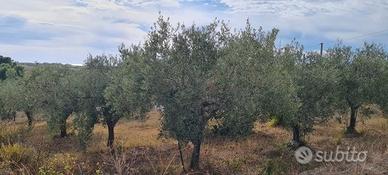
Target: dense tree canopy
92 80
128 94
9 68
361 77
11 96
197 74
242 80
52 95
184 61
258 81
10 89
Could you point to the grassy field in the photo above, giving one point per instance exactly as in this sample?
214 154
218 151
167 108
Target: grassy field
140 150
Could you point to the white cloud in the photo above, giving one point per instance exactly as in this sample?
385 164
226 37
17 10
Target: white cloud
303 7
322 19
92 27
145 3
78 27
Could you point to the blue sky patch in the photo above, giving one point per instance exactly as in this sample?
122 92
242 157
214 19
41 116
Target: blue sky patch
42 30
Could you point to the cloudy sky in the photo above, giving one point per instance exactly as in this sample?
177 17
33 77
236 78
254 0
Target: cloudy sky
66 31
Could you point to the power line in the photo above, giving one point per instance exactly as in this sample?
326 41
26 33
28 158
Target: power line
368 34
360 36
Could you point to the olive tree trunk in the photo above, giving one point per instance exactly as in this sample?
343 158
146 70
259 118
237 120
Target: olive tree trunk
14 116
296 137
63 132
111 133
296 134
181 156
29 118
351 129
195 155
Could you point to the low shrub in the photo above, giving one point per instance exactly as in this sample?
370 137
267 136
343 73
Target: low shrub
235 165
10 135
59 164
15 156
275 167
234 126
274 121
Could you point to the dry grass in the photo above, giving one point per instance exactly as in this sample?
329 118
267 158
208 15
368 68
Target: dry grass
141 151
131 134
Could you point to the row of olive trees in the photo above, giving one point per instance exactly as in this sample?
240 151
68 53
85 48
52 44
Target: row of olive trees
10 71
100 91
199 73
209 72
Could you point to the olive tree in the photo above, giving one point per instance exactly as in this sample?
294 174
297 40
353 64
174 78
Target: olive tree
244 70
183 61
93 79
316 80
128 94
84 113
111 88
361 77
52 95
10 75
16 96
300 91
382 83
258 81
10 96
29 98
9 68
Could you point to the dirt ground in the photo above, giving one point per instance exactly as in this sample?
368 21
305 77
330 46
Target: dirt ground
142 151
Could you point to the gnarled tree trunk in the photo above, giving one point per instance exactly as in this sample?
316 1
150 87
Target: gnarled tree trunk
29 118
63 132
195 155
351 129
296 137
111 133
181 156
14 116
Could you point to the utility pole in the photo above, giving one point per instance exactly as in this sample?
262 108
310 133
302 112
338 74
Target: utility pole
321 49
